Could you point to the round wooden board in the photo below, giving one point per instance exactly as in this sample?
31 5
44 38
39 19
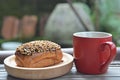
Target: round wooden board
39 73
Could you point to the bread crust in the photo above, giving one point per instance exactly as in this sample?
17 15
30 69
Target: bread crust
38 59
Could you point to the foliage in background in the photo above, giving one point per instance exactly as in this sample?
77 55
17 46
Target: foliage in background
19 8
15 8
104 13
110 18
106 16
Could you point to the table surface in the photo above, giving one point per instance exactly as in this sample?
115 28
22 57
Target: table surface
113 73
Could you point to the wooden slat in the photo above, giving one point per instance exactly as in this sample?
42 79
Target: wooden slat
4 54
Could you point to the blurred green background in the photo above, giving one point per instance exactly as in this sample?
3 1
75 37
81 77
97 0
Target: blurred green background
105 15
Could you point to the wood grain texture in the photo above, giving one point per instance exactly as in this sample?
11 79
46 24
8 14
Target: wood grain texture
113 73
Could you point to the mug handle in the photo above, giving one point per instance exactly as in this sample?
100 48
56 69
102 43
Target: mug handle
111 54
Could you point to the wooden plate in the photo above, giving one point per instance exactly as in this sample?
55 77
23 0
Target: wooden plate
39 73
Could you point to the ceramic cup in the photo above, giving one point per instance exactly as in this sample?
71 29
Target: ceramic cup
93 51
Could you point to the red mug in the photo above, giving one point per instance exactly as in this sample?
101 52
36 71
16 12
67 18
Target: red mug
93 51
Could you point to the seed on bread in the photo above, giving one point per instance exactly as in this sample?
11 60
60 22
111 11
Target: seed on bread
38 46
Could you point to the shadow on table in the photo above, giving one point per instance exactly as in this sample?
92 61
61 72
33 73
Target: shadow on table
13 78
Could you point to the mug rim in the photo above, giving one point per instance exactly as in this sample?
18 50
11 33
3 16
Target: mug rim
80 34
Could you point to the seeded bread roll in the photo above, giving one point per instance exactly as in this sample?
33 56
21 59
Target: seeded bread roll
38 54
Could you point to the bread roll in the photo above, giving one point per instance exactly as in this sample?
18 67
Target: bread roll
38 54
